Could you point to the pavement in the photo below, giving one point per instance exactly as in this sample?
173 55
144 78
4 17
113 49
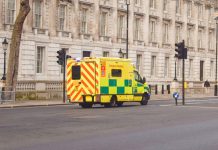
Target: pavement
34 103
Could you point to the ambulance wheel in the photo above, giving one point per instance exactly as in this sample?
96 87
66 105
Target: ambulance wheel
112 102
145 99
86 105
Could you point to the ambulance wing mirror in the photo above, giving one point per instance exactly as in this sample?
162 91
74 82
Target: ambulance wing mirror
143 80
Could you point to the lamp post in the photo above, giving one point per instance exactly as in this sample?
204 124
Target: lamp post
215 88
127 28
4 46
175 78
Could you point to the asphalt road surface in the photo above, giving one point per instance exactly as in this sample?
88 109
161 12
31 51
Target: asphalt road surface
158 126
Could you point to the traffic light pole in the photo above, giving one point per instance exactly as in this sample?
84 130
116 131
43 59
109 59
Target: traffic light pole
62 57
183 81
64 80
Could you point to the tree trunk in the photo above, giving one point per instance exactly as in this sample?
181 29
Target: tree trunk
13 63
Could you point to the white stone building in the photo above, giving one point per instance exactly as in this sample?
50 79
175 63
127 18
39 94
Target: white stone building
98 28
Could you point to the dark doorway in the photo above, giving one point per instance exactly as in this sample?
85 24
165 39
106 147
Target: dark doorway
201 70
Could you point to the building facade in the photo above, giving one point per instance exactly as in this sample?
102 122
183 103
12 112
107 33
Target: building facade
98 28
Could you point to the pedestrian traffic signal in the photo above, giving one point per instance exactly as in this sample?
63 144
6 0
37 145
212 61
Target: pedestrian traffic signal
181 50
61 56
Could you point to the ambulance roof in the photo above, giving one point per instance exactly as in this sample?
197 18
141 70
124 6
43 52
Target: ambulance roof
106 59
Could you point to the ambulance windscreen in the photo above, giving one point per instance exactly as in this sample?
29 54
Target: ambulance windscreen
76 73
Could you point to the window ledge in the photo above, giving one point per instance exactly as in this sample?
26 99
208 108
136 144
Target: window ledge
40 31
66 34
105 38
190 48
211 51
153 44
8 26
121 40
86 36
166 45
139 42
201 49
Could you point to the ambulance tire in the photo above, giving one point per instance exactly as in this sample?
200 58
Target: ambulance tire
86 105
112 102
145 99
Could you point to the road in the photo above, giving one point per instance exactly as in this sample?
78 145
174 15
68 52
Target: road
158 126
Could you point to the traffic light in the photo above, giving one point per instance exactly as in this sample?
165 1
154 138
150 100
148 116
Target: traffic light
61 56
181 50
68 56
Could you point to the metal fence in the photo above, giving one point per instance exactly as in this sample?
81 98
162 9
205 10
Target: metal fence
7 94
53 90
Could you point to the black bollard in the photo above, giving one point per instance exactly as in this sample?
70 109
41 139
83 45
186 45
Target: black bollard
156 92
168 88
162 89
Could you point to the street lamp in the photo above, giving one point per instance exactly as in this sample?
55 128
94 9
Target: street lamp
127 28
4 46
215 88
121 53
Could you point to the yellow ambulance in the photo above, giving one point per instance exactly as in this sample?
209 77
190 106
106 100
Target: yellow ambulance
106 81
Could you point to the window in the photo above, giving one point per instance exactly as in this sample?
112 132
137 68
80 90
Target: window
38 14
165 32
190 67
10 12
152 31
153 65
200 11
86 53
116 73
103 23
210 13
210 40
137 2
200 36
189 36
84 27
189 9
76 75
138 62
39 59
121 26
105 54
211 68
137 29
62 14
178 6
152 3
178 33
165 3
166 67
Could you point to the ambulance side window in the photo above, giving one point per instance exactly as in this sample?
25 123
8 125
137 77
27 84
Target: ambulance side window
116 73
76 73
